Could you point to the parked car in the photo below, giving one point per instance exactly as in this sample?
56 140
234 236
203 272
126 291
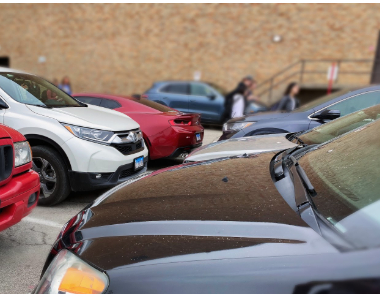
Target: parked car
306 117
167 132
75 146
19 185
198 97
306 221
277 142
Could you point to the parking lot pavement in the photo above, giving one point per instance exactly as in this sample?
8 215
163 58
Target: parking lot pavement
24 247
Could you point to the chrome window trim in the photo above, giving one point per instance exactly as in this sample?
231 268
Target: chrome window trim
311 118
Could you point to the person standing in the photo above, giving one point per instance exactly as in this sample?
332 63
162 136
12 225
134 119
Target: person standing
289 102
239 101
245 83
65 85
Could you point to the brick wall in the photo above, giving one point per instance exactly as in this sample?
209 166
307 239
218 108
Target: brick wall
124 48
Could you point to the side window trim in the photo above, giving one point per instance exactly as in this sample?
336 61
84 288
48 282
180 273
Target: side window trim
328 106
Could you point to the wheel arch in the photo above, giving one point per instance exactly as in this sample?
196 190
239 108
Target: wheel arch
35 140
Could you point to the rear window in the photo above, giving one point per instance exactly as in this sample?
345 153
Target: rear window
151 104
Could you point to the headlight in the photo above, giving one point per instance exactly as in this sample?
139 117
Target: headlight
67 274
23 154
89 134
235 127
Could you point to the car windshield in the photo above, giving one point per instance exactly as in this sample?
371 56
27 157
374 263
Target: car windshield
321 100
152 104
345 175
33 90
340 126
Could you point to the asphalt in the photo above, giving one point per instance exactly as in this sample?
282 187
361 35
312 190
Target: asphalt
24 247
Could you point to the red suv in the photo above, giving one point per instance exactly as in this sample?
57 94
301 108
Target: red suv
19 185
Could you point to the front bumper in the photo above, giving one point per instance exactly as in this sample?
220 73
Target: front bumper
87 181
18 198
90 157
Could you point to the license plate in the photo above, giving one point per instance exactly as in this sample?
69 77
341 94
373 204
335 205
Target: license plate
139 162
198 137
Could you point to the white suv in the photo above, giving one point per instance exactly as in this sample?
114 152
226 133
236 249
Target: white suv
75 146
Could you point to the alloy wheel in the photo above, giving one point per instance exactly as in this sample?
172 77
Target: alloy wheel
48 177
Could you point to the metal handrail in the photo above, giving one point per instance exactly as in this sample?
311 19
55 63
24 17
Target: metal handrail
301 72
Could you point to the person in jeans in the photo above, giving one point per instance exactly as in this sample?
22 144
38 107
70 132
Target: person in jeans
289 102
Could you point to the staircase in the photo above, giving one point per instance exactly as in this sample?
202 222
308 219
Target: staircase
312 78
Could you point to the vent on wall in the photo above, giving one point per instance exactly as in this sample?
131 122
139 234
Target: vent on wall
4 62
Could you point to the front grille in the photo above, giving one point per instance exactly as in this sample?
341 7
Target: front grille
129 148
6 162
128 172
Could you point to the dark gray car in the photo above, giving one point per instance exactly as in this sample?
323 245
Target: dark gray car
304 118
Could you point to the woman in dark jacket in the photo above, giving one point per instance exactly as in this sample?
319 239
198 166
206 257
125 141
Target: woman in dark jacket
289 102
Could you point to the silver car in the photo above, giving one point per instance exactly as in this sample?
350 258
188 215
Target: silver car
277 142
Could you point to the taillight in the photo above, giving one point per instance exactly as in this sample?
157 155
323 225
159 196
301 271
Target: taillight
144 96
180 122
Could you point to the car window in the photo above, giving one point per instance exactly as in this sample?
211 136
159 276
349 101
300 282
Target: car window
200 90
111 104
176 88
33 90
152 104
341 126
356 103
321 100
345 175
89 100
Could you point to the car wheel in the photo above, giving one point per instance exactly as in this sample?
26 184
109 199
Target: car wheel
49 165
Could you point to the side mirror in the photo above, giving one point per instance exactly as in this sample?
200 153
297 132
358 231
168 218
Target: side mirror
212 96
327 114
3 105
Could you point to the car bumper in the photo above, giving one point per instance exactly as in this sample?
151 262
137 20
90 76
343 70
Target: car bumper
184 150
167 143
18 198
82 181
90 157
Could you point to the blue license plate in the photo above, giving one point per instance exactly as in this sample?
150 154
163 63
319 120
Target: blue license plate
139 162
198 137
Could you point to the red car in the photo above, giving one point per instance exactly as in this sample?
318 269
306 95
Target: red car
167 132
19 184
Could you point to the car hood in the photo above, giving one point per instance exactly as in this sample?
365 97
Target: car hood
240 146
261 116
91 116
209 210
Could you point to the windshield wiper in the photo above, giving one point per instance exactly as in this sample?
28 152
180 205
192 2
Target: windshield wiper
305 180
63 106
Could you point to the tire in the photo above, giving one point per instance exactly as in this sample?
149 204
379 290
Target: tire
55 185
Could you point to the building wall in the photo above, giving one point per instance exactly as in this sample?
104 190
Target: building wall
124 48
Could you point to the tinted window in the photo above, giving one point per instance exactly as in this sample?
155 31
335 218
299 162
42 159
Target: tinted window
320 101
356 103
111 104
89 100
200 90
341 125
151 104
345 175
32 90
176 89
